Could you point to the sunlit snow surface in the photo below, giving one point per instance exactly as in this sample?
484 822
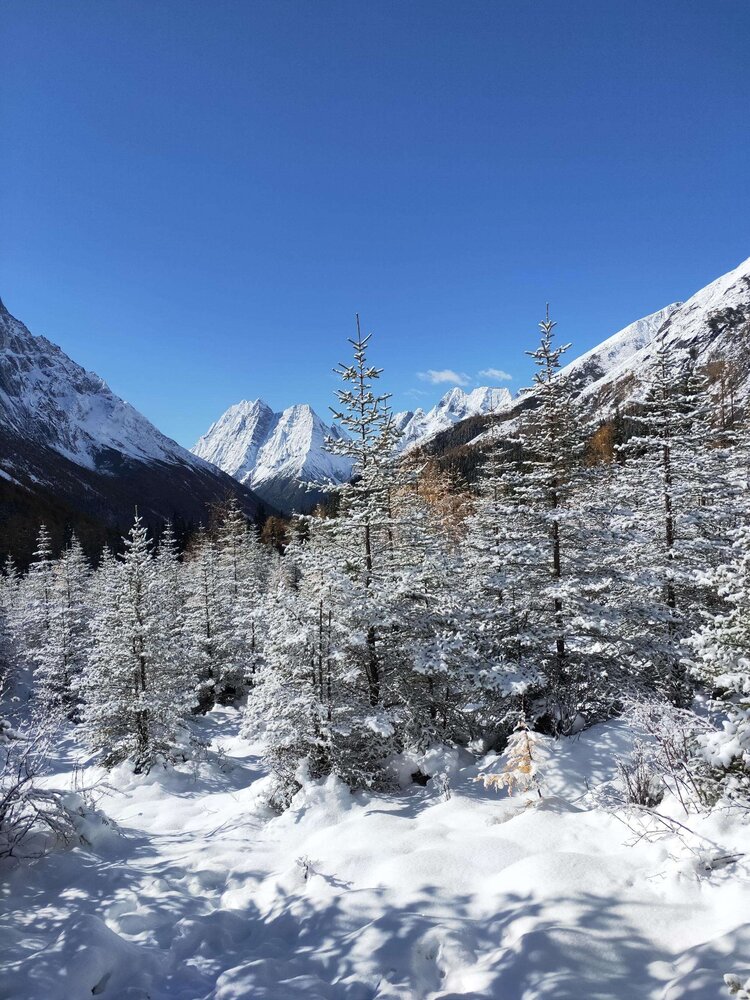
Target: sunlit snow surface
196 890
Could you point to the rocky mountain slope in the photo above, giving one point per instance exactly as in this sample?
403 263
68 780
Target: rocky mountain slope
713 325
70 446
614 354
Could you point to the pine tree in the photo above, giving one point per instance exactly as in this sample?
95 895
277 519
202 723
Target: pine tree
9 587
524 758
500 579
681 485
62 650
364 642
541 560
551 444
310 703
722 661
364 510
205 622
171 581
228 573
435 679
244 568
35 600
136 687
544 548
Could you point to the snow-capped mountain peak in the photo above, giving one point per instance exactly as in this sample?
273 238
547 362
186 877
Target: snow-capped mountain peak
418 426
233 442
277 454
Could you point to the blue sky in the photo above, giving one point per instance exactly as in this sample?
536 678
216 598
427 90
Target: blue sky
197 197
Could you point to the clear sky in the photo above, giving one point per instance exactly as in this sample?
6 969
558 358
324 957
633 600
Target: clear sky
197 195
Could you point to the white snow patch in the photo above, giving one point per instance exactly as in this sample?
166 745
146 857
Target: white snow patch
201 892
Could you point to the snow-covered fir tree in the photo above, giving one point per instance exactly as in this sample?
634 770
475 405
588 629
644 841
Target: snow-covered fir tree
244 568
137 687
364 514
499 592
310 702
684 496
9 603
541 556
33 612
227 571
722 662
61 651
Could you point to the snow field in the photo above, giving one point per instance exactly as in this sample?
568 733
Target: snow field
196 890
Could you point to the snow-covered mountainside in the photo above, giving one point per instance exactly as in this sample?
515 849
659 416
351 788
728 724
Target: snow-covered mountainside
615 352
419 426
281 456
713 325
64 432
47 397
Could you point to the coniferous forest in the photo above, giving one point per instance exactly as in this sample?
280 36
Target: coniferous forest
590 572
567 631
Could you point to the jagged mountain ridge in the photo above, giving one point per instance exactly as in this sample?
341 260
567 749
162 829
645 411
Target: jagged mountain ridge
456 405
69 441
283 456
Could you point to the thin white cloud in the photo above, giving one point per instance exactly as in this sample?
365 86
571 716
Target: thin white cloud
444 375
497 374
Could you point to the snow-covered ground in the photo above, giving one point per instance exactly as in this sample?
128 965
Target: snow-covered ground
197 890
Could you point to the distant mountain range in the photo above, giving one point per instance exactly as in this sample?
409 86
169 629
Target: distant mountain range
456 405
74 453
283 456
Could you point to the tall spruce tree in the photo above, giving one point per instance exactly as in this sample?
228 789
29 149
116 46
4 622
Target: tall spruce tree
364 513
137 689
681 486
61 654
